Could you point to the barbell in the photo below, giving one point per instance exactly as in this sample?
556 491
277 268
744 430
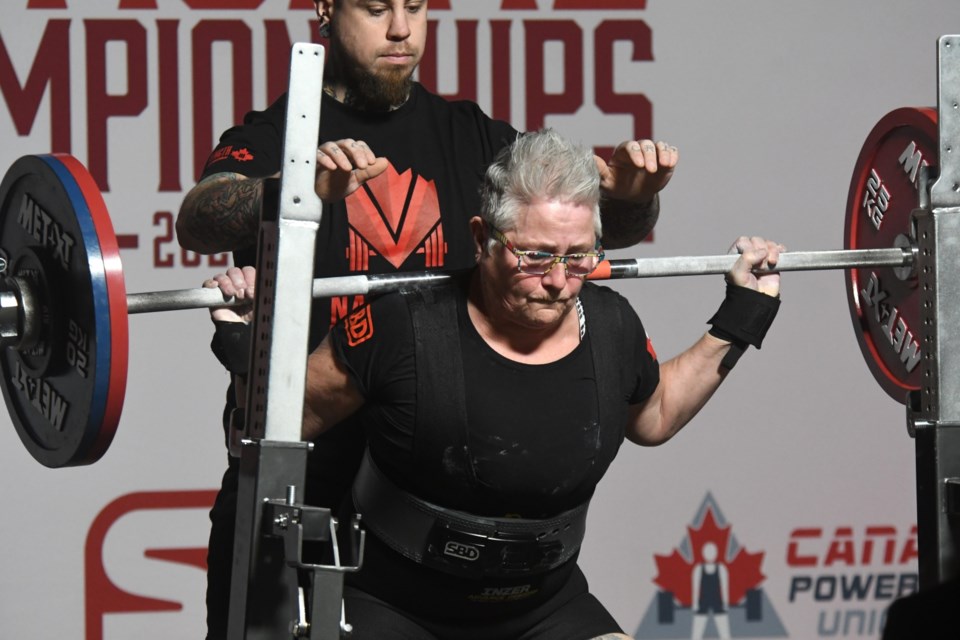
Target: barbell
64 306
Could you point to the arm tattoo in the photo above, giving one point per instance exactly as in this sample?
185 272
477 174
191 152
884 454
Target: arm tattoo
224 211
627 223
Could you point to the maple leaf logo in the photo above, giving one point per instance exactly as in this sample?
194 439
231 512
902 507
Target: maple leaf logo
675 572
242 155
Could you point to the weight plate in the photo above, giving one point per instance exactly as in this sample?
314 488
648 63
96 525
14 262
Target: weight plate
884 192
116 298
57 237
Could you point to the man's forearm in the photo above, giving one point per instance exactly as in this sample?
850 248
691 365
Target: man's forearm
221 213
627 223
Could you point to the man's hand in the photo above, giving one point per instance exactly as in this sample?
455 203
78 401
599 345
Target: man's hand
343 166
756 252
638 170
239 284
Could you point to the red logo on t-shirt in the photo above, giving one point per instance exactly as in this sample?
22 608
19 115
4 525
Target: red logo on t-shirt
219 154
359 326
242 155
394 216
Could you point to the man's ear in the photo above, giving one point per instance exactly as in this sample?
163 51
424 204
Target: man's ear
324 8
479 232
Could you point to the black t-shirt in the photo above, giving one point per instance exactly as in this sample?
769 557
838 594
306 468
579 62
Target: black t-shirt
533 429
533 434
410 218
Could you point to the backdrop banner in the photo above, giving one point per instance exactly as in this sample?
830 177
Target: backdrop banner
800 470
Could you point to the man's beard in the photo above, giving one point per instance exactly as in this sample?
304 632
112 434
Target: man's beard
374 91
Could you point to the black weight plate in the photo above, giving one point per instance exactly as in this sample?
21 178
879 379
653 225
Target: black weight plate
64 395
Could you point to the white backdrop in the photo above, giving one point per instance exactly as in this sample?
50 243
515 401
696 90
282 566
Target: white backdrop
801 454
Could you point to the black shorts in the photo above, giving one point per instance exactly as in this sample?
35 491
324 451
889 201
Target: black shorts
572 614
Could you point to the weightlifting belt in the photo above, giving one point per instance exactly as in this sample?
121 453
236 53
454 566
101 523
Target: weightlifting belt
461 543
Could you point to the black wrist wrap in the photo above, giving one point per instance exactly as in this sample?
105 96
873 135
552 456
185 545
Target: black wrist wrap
743 319
231 344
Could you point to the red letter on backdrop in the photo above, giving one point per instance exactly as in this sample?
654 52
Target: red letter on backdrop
278 58
539 102
47 4
500 69
102 595
223 4
600 4
608 100
101 106
169 111
205 34
51 67
138 4
466 60
794 559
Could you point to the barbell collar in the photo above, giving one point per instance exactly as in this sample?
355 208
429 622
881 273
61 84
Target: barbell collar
205 298
19 314
10 330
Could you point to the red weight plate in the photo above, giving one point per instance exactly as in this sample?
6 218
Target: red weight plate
117 300
883 194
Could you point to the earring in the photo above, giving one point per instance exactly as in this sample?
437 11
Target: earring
323 26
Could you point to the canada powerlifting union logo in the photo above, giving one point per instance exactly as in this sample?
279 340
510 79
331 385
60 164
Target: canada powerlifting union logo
710 586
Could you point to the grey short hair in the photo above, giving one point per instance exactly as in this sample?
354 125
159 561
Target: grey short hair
539 166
